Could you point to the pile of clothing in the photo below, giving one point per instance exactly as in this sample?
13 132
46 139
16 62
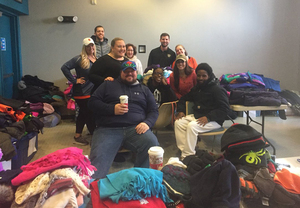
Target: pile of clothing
15 123
59 179
262 183
252 89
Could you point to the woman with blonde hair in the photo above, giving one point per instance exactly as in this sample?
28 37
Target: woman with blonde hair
82 87
180 49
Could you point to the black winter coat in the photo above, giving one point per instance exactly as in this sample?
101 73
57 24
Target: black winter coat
210 100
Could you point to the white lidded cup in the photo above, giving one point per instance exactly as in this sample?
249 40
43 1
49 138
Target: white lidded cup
156 157
124 99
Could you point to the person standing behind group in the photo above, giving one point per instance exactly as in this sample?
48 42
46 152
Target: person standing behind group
82 87
162 55
179 49
108 66
101 42
182 79
131 55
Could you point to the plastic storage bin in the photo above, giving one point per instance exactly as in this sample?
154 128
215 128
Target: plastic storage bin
26 148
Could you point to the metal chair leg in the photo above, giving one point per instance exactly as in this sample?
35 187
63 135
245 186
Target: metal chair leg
212 148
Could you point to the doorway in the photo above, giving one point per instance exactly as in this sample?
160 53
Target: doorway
10 61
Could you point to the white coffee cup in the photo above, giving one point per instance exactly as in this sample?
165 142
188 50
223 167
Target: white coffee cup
124 99
156 157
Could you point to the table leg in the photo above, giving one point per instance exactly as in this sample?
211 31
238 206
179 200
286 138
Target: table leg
263 131
249 119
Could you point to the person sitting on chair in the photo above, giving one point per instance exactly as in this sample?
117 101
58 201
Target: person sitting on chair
211 106
126 125
160 88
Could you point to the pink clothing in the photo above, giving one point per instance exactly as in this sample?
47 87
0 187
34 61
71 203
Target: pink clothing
99 203
185 85
191 62
68 157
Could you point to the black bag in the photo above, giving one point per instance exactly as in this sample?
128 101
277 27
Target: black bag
34 125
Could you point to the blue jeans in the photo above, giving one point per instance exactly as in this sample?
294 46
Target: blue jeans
107 141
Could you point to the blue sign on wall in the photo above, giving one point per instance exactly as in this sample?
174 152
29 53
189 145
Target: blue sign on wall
3 44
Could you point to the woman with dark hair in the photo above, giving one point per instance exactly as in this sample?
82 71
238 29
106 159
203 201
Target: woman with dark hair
131 55
180 49
82 87
183 78
160 88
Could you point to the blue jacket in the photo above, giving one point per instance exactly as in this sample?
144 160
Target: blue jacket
141 104
78 89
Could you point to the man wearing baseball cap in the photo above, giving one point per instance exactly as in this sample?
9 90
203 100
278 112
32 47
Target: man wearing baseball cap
120 124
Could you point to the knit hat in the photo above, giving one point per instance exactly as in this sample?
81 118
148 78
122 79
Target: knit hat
6 195
128 64
87 41
21 85
206 67
177 180
181 57
249 161
235 137
48 108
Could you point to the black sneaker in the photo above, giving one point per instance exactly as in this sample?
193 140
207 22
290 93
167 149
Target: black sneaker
81 141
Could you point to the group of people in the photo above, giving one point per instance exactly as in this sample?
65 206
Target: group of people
106 71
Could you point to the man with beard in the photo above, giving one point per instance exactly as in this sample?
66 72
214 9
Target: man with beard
211 106
126 125
101 42
162 55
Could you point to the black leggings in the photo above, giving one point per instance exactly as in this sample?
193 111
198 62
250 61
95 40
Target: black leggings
85 116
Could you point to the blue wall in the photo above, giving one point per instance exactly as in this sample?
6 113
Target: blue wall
14 6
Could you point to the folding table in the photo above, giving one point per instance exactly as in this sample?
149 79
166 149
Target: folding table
263 109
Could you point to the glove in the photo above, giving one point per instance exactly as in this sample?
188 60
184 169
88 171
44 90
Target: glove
205 157
194 164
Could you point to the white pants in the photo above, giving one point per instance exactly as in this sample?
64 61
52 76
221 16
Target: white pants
186 133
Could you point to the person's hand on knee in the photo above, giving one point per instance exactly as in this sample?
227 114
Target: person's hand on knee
141 128
202 121
179 116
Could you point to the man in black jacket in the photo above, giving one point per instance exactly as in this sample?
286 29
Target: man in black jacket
211 107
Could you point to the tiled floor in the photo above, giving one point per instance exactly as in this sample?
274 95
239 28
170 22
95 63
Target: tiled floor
284 134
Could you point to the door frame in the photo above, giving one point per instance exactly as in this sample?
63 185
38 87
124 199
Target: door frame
15 48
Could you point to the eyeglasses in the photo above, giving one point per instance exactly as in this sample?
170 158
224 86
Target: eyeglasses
157 73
